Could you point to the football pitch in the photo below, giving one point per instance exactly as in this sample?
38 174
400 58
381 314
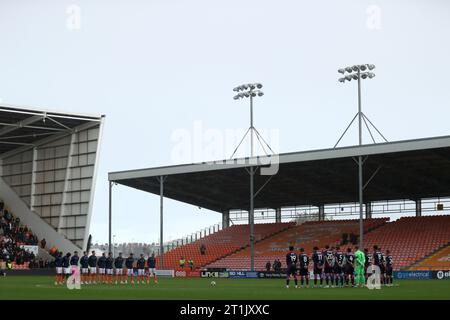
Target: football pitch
43 288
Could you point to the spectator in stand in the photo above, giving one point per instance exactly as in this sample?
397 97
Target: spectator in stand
191 264
7 216
53 251
268 266
278 267
43 243
12 236
203 249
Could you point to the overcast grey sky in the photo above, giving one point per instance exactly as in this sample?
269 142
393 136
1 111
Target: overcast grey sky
158 68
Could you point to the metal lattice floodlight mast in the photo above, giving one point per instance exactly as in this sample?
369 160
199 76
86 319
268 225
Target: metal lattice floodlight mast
251 91
358 72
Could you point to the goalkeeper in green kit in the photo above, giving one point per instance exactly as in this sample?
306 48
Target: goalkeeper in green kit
360 262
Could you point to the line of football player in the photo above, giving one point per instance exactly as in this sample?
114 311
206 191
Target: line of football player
339 269
105 269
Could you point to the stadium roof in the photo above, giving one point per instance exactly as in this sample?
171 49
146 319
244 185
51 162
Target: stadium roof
411 169
27 127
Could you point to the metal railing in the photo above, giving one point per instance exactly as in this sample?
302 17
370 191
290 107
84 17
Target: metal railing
350 210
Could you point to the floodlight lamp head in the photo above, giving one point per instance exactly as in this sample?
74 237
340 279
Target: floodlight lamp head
236 89
355 68
355 77
259 85
341 71
342 80
371 75
246 94
253 94
364 75
348 77
260 94
252 86
236 97
348 69
371 66
363 67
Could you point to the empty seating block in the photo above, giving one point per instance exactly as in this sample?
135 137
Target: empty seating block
219 244
412 238
437 261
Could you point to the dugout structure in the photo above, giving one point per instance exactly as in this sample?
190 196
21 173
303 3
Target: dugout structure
48 171
412 169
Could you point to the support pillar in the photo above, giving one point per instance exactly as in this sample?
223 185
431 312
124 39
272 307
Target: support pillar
110 217
418 207
225 219
321 212
368 210
278 215
161 221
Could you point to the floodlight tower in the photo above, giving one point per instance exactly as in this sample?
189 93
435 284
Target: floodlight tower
358 72
251 91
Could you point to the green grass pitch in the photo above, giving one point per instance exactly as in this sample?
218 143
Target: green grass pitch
41 287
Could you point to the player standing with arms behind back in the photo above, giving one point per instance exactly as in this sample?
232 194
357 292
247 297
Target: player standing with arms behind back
389 269
350 268
141 269
92 267
291 262
66 266
129 264
368 264
378 260
74 264
304 267
329 266
118 263
360 263
84 268
151 264
102 269
339 267
59 270
109 268
318 266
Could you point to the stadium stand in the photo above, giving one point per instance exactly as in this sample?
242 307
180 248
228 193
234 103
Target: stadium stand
307 235
12 236
411 238
439 260
220 244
